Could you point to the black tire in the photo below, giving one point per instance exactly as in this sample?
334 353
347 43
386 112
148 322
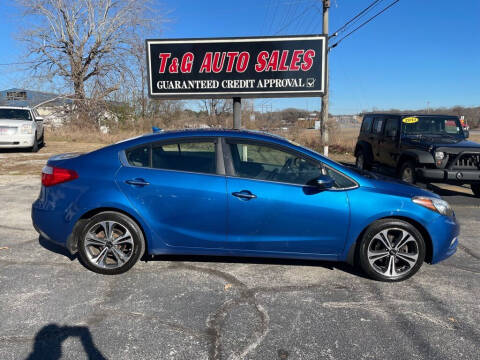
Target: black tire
34 147
134 250
407 172
413 249
476 189
362 161
42 140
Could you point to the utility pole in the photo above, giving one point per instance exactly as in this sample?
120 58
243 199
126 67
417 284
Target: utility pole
237 113
324 113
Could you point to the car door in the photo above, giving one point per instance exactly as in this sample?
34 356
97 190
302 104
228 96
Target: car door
377 136
272 206
178 187
389 151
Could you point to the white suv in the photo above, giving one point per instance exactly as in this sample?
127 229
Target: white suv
21 127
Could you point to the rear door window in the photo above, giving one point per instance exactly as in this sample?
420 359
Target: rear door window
378 125
196 156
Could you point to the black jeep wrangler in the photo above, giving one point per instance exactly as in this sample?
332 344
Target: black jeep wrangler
432 148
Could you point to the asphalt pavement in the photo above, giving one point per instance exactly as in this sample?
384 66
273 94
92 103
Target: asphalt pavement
51 307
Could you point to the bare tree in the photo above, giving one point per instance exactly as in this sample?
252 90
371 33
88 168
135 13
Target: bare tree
91 44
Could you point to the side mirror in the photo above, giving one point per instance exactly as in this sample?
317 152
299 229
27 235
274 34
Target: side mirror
466 133
39 118
324 182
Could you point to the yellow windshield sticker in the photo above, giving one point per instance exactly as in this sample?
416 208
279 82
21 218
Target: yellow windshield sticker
410 120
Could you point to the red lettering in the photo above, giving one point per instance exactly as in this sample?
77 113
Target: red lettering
261 61
173 68
243 60
273 62
216 66
206 63
187 63
283 61
308 59
231 60
163 61
295 59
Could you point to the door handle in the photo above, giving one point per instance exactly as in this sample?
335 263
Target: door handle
244 195
137 182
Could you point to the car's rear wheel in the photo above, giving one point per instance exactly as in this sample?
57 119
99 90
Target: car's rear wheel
391 250
476 189
361 161
110 243
407 172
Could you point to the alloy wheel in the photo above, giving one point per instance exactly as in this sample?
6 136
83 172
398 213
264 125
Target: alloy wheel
393 252
108 245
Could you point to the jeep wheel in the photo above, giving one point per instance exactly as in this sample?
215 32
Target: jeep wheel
476 189
407 172
361 162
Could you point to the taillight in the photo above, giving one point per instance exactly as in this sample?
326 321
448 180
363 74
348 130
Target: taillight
52 175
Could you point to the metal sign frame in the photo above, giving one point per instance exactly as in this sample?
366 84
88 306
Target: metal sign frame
229 93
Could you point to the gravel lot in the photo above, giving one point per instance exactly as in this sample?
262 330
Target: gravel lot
229 308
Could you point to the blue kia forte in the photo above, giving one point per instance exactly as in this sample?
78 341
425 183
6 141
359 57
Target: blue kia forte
236 193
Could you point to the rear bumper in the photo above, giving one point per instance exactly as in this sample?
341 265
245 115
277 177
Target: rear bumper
47 225
450 175
16 141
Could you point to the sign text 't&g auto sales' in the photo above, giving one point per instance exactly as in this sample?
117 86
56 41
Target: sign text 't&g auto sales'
237 67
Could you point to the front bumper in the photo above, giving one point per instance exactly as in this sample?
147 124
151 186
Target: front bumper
16 141
444 232
450 175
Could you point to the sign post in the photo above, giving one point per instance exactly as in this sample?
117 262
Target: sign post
253 67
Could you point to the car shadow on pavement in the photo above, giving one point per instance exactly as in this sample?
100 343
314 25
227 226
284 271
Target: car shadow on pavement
51 246
330 265
48 342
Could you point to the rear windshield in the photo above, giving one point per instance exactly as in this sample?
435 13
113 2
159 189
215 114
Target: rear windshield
431 125
15 114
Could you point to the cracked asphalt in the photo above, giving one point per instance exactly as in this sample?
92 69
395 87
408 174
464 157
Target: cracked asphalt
51 307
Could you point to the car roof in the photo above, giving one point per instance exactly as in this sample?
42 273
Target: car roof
215 133
406 114
15 107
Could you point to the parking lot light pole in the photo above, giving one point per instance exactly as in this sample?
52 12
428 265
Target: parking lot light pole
237 113
324 111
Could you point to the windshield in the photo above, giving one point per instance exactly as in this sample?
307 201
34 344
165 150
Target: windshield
431 125
15 114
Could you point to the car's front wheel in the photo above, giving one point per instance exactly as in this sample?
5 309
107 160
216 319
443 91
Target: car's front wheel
407 172
110 243
391 250
34 147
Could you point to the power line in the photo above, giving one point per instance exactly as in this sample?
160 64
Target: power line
294 19
356 17
18 63
364 23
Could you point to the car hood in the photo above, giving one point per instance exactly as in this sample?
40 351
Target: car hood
14 123
440 141
391 186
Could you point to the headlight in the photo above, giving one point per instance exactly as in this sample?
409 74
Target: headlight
26 129
438 205
439 155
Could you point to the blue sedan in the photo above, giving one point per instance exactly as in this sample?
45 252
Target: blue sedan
236 193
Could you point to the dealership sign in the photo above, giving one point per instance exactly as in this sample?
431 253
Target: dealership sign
237 67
